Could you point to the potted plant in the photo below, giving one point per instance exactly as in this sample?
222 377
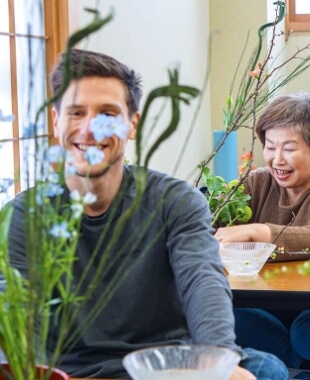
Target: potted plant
48 295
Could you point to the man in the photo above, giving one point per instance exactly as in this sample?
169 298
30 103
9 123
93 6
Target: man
174 291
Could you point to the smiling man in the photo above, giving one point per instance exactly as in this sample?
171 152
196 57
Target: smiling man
172 288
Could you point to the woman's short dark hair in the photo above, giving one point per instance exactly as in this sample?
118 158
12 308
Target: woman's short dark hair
84 63
291 110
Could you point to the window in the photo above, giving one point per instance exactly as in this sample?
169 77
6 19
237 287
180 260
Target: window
298 16
32 33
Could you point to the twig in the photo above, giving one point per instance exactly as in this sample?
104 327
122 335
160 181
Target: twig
288 225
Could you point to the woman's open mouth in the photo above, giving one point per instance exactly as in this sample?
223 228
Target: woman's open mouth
283 174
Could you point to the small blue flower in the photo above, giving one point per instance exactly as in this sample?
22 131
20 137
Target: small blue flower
77 209
53 189
99 126
53 177
89 198
75 195
60 230
70 170
55 154
106 126
93 155
119 128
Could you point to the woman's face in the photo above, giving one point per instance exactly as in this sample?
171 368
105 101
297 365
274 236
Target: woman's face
287 156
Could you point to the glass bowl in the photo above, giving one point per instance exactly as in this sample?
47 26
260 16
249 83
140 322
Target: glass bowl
188 362
245 258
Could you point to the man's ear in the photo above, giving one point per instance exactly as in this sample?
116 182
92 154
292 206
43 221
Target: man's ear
133 126
55 122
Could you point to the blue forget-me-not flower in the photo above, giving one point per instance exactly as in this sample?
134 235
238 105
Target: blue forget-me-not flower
94 155
60 230
103 126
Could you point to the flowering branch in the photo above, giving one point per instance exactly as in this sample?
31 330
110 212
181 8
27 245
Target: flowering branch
250 99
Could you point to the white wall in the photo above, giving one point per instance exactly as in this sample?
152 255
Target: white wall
151 36
230 23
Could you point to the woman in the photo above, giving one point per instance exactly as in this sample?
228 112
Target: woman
280 201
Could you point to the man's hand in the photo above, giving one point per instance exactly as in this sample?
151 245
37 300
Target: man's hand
241 374
246 232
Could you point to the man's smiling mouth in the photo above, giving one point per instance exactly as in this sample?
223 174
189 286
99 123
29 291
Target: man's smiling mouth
84 147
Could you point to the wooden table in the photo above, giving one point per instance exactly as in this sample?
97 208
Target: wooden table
287 290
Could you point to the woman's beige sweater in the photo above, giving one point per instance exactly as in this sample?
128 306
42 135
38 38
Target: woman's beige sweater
289 223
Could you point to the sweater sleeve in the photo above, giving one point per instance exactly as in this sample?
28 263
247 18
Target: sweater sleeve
294 239
289 223
198 270
17 248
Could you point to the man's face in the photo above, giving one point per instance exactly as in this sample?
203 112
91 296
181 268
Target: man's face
82 101
287 156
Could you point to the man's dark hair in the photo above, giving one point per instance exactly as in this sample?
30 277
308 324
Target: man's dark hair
86 63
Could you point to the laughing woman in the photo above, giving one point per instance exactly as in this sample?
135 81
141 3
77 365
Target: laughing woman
280 201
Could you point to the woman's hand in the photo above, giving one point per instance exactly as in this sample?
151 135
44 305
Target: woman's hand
241 374
246 232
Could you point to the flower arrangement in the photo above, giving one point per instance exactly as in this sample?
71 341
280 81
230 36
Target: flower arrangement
49 295
227 200
243 103
257 85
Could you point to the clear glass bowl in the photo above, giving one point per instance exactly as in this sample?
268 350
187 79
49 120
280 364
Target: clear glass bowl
192 362
245 258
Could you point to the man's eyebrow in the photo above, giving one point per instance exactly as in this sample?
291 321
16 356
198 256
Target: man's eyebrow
109 106
71 106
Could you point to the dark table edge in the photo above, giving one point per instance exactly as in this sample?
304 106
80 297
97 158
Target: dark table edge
271 299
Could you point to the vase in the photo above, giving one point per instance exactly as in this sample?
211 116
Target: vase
56 374
225 162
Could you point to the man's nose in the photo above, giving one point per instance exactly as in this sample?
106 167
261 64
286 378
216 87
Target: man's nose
84 128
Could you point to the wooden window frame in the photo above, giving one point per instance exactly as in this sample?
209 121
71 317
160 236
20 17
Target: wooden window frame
57 32
295 22
56 21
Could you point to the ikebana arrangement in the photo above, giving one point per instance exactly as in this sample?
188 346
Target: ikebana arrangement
261 80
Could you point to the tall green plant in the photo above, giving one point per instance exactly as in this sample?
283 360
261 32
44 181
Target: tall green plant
28 305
